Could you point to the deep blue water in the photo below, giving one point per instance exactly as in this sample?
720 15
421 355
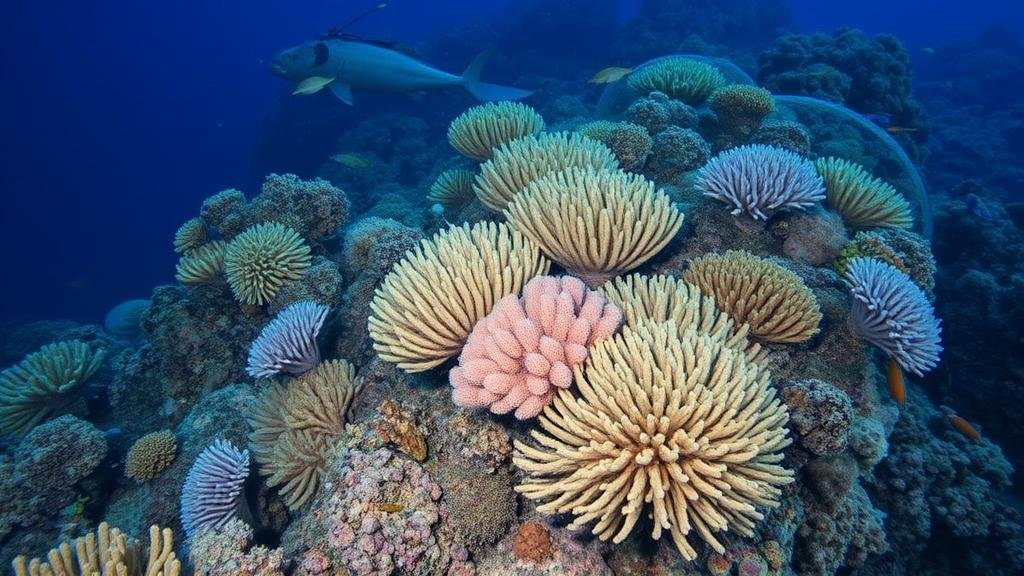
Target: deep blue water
120 117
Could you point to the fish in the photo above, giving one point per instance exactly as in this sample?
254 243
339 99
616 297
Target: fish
964 427
899 129
357 65
897 387
352 160
311 85
609 75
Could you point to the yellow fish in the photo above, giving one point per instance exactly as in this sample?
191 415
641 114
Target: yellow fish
351 160
964 427
311 85
609 75
897 388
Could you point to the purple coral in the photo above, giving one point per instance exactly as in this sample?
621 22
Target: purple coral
288 342
212 491
893 313
761 180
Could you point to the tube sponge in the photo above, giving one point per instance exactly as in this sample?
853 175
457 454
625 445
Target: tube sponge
259 261
478 131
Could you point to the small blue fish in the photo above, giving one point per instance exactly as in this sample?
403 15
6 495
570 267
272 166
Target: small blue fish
978 207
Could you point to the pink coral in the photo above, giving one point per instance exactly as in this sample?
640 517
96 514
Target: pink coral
517 355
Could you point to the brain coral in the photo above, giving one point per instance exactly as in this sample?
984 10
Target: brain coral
150 455
674 421
107 552
686 79
596 223
191 235
741 107
775 302
212 492
525 349
203 265
452 188
295 428
761 180
288 342
861 199
522 161
426 306
893 313
262 259
478 131
33 389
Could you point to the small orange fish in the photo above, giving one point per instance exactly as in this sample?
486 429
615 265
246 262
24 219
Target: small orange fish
609 75
964 427
899 129
897 388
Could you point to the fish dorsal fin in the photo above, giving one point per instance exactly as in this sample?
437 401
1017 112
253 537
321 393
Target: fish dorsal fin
343 92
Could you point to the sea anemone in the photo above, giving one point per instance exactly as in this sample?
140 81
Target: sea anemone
741 107
191 235
478 131
761 180
150 455
893 313
288 342
861 199
452 188
212 492
261 260
686 79
203 265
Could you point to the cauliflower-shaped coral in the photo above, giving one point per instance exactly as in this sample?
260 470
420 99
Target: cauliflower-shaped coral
676 151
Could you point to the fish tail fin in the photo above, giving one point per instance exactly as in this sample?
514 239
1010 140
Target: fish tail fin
482 90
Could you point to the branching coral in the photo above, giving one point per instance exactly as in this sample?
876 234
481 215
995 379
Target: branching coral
33 389
741 107
478 131
295 428
107 552
775 302
288 342
191 235
893 313
524 350
861 199
596 223
203 265
150 455
761 180
686 79
212 492
452 188
263 259
426 306
670 419
522 161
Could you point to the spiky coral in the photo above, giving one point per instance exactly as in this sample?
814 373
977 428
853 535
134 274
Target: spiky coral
861 199
478 131
686 79
288 342
741 107
261 260
107 552
203 265
630 142
426 306
761 180
452 188
673 420
191 235
212 492
150 455
295 428
893 313
33 389
775 302
596 223
522 161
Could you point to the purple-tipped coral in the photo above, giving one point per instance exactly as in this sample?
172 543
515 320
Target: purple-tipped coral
288 342
891 312
212 491
761 180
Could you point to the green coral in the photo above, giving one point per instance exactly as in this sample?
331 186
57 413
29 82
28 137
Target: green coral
686 79
741 107
861 199
263 259
630 142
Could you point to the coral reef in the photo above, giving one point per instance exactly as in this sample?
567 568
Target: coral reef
288 343
740 108
108 552
202 265
686 79
820 415
228 551
259 261
676 151
212 492
630 142
657 112
191 235
53 458
452 188
150 455
861 199
786 134
478 131
125 319
312 208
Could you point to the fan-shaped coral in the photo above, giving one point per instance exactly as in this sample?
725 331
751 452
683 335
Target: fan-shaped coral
288 342
673 420
761 180
682 78
261 260
893 313
665 298
520 162
741 107
775 302
33 389
150 455
525 349
295 427
107 552
191 235
596 223
861 199
203 265
212 492
478 131
426 306
452 188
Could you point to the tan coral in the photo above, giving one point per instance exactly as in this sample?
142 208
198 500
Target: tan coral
107 552
261 260
397 425
596 223
191 235
861 199
666 424
478 131
775 302
453 188
295 426
426 306
203 265
524 160
150 455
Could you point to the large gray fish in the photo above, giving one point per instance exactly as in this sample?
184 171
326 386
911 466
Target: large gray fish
346 65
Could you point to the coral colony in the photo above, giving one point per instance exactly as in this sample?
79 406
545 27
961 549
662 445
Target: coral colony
661 337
